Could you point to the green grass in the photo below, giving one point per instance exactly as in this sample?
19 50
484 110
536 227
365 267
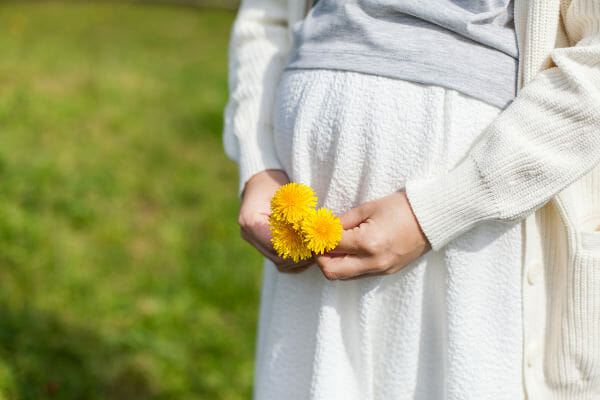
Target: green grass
120 259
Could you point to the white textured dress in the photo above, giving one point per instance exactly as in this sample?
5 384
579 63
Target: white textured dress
447 326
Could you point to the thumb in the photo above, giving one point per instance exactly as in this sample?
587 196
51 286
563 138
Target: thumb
357 215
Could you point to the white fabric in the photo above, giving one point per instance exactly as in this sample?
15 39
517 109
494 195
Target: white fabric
448 326
547 141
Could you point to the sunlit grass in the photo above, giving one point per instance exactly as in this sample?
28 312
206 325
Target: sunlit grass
120 272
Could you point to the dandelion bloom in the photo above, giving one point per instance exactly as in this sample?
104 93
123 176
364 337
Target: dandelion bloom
287 241
322 230
292 202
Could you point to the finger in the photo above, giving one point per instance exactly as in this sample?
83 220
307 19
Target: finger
350 242
262 233
365 275
346 266
357 215
283 265
259 235
267 252
289 264
296 270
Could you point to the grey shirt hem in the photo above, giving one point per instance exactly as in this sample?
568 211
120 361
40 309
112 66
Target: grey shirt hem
488 82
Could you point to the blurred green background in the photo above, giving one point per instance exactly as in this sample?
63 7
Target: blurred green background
120 257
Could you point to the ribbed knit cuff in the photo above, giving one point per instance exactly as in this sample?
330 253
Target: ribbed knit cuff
257 154
452 203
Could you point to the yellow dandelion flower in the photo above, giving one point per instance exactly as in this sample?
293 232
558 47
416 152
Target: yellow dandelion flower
287 241
292 202
322 231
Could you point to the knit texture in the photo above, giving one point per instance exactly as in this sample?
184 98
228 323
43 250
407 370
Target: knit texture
257 50
545 146
546 139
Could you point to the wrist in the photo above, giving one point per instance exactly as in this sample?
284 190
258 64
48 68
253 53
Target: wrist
419 229
270 177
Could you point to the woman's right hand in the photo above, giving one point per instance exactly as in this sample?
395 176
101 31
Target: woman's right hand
254 217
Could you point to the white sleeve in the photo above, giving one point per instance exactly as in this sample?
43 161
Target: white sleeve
544 141
258 48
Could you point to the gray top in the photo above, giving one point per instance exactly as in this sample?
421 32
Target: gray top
466 45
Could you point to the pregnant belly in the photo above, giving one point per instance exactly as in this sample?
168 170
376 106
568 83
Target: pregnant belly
355 137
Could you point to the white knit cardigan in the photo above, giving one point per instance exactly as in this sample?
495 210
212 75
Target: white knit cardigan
537 162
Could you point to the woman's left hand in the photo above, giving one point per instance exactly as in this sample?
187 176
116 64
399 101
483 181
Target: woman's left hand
379 238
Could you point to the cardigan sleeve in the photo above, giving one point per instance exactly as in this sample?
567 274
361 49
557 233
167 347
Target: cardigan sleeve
544 141
258 47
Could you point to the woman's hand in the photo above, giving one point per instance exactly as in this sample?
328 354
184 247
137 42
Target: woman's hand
254 217
379 238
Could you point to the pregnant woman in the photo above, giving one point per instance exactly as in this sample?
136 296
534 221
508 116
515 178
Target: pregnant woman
402 116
